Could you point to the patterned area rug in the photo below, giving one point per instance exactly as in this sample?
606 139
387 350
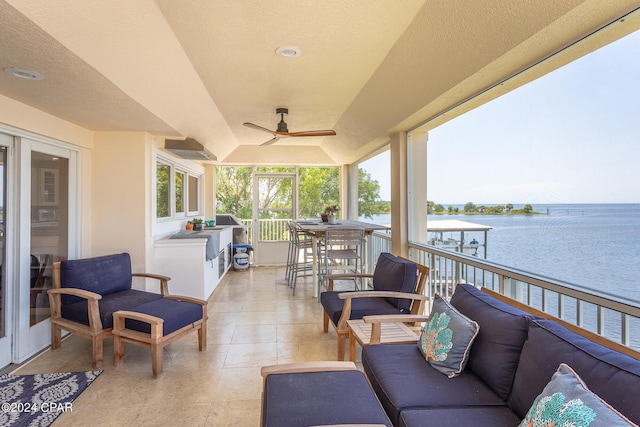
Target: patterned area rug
37 400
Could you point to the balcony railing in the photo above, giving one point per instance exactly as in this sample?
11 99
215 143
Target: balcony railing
607 315
269 230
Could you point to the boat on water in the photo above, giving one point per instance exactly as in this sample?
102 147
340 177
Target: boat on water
437 236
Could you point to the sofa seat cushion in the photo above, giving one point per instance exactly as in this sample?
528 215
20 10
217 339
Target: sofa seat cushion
496 350
395 274
485 416
176 315
320 398
403 379
360 307
123 300
566 400
102 275
608 373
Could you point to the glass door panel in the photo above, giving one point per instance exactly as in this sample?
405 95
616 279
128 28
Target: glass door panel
275 205
49 227
5 322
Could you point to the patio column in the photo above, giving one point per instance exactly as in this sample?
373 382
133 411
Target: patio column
209 200
417 172
349 197
399 195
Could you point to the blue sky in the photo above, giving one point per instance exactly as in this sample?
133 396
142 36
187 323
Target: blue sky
572 136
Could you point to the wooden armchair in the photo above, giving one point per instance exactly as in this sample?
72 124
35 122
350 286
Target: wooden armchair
87 291
398 285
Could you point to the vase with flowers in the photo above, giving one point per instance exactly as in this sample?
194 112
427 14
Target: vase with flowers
329 214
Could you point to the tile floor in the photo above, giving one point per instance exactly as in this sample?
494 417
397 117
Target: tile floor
253 321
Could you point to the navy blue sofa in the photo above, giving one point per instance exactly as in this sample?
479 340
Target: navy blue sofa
510 362
88 291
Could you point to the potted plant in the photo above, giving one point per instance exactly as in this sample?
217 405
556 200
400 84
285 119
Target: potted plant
189 226
329 214
197 224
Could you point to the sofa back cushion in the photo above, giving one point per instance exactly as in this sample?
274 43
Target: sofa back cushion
567 401
611 375
503 330
395 274
102 275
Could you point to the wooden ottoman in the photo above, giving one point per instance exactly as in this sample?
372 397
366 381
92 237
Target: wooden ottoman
319 394
159 323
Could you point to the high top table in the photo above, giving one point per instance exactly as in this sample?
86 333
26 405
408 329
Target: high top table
318 228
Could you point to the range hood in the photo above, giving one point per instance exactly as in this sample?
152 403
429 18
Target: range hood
189 149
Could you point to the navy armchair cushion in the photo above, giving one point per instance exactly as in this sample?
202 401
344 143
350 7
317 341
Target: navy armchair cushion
395 274
360 307
123 300
176 314
102 275
496 350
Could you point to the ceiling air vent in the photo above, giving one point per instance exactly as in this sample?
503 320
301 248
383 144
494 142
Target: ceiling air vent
189 149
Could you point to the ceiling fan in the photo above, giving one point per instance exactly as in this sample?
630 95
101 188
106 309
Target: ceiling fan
283 132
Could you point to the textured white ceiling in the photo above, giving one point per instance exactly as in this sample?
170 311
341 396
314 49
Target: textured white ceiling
201 68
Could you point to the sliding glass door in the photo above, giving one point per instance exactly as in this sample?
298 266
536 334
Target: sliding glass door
5 293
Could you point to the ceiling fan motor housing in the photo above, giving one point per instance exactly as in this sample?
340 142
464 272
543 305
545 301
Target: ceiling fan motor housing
282 126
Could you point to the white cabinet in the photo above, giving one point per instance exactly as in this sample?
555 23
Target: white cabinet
184 260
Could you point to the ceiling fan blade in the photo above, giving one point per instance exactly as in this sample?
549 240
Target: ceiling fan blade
256 127
313 133
271 141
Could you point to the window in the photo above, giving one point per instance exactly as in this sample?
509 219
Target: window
177 189
192 188
179 192
162 190
564 146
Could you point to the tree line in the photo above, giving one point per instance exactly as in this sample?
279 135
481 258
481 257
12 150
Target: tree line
471 209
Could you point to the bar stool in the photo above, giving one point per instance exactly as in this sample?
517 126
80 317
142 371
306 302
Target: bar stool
300 256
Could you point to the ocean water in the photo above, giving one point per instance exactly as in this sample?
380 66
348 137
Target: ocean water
592 246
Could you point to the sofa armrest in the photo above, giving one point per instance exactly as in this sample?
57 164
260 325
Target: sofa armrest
164 281
348 296
93 310
331 277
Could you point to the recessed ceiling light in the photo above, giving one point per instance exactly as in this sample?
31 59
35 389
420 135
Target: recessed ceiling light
289 51
23 73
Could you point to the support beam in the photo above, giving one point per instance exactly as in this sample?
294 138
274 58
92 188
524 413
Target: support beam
417 185
399 195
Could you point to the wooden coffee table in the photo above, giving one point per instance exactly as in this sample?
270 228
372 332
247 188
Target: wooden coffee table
387 333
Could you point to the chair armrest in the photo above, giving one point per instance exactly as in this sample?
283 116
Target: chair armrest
348 296
88 295
164 281
93 310
301 367
331 277
156 323
381 294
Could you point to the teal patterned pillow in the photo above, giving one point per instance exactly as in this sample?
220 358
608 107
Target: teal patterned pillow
446 338
567 402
